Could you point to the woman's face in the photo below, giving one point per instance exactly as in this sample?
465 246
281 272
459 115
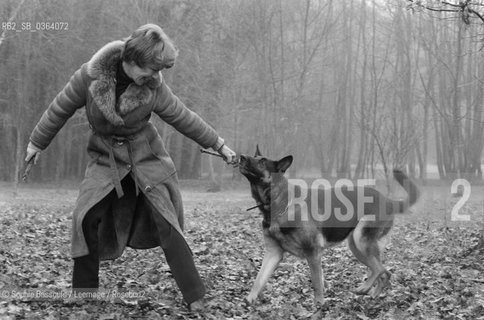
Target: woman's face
139 75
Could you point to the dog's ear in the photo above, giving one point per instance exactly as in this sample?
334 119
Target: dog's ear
283 164
257 152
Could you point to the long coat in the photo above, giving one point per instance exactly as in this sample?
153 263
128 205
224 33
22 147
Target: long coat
123 141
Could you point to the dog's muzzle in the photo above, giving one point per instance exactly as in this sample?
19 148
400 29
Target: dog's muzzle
242 163
242 160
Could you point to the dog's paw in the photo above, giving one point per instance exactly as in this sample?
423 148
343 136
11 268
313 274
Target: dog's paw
362 290
250 299
382 283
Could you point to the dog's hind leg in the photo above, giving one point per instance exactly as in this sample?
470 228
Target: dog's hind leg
360 256
272 258
382 282
314 261
366 249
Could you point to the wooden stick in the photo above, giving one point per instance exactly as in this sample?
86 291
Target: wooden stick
30 163
257 206
211 153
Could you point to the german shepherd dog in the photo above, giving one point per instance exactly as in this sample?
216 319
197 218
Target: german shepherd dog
306 236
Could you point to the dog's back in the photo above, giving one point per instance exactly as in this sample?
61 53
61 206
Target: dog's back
339 210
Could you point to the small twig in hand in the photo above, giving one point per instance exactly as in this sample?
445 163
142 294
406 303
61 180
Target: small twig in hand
235 164
211 153
30 163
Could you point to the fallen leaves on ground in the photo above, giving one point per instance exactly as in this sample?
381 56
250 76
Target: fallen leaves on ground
437 272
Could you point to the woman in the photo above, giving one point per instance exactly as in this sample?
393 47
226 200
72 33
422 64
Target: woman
130 195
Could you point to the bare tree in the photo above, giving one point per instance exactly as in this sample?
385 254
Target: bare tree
466 9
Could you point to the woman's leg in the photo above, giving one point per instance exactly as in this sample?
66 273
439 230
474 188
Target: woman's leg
178 255
86 268
180 259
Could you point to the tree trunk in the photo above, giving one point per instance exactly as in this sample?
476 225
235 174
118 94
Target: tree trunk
361 162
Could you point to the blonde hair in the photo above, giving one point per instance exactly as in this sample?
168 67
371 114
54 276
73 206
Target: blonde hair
149 46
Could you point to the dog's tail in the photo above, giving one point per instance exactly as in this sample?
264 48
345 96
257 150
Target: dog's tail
410 188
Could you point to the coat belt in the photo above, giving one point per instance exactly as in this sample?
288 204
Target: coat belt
110 141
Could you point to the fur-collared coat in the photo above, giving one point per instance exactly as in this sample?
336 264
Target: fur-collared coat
142 154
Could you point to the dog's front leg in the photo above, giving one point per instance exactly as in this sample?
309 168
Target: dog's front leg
272 258
314 261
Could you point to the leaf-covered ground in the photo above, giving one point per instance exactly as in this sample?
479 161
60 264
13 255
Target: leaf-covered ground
437 272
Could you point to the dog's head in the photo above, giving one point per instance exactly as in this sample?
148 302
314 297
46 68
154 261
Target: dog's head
267 181
261 170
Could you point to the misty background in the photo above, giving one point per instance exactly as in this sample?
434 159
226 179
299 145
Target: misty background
350 88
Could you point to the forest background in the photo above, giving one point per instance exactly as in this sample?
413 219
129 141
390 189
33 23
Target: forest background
350 87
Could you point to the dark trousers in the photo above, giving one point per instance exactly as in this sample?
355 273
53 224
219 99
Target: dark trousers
178 255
